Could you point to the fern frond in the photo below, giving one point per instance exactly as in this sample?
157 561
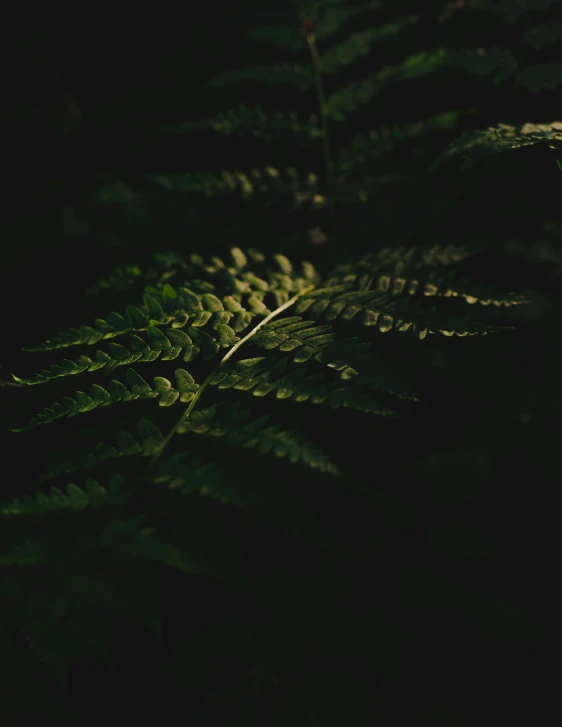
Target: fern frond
192 552
244 121
116 392
355 360
164 304
234 423
294 333
388 312
359 44
189 475
146 444
450 285
177 307
265 374
25 553
219 420
120 278
380 141
329 16
66 622
124 276
268 183
429 282
477 145
326 346
326 18
133 540
399 262
190 345
495 61
74 498
342 103
248 272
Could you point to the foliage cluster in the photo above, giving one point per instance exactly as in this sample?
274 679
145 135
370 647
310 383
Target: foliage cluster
285 534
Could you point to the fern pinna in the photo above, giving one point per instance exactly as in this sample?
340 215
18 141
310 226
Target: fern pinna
241 327
333 63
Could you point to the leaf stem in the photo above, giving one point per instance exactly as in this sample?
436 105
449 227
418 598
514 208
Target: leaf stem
222 362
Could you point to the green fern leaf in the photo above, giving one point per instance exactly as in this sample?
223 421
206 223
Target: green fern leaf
142 543
190 344
347 100
329 16
188 474
125 445
121 278
355 360
244 121
359 44
171 306
414 278
265 374
235 424
268 184
290 334
366 147
388 313
417 261
73 499
327 19
139 389
477 145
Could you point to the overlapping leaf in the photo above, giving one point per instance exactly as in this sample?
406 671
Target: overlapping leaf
73 498
240 430
474 146
265 374
116 392
268 185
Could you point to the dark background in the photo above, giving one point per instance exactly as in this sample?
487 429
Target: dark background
82 98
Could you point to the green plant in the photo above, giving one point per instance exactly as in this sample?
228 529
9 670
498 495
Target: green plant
236 523
328 44
244 326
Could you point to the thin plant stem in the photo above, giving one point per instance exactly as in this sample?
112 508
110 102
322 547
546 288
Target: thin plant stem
328 161
222 362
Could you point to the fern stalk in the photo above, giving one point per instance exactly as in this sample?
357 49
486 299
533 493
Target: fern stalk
222 362
328 160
